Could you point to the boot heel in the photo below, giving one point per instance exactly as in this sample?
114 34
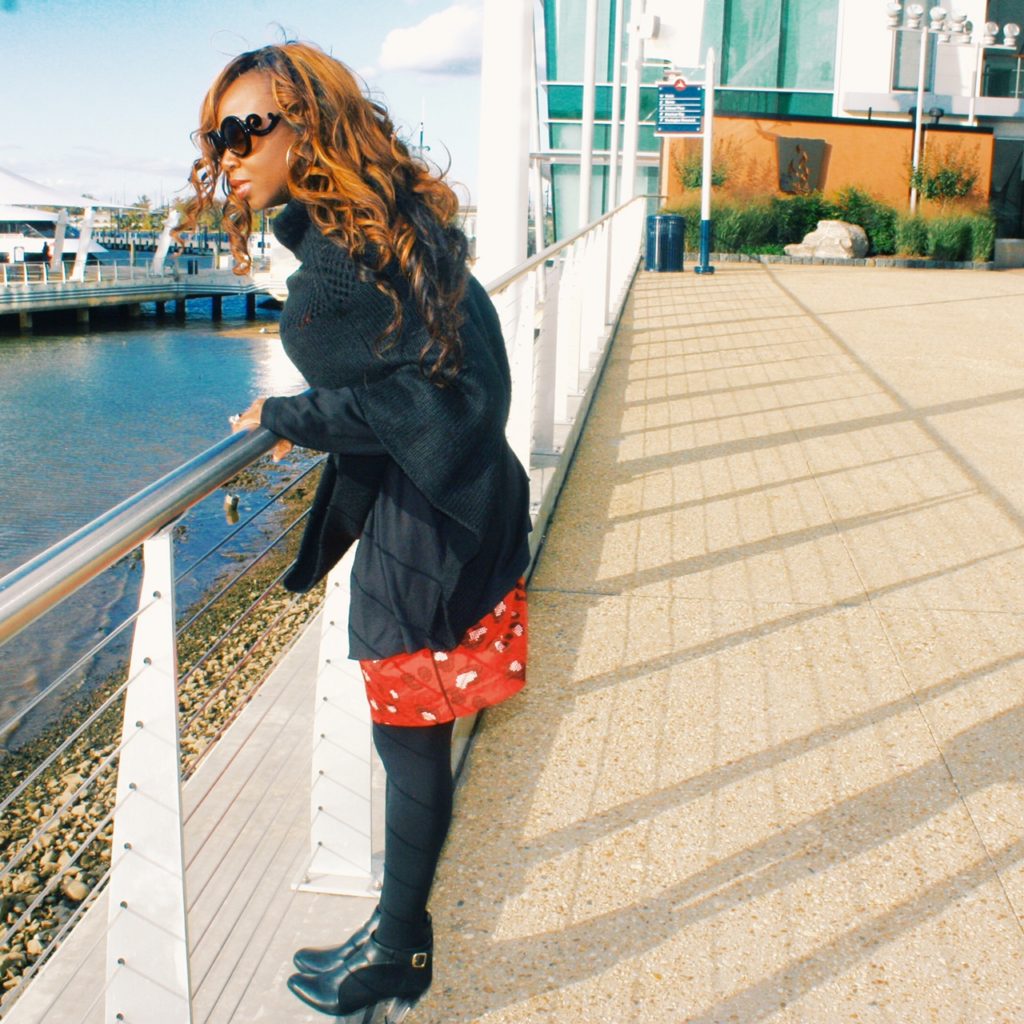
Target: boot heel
398 1009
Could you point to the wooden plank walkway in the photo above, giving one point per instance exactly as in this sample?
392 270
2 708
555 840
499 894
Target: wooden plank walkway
246 845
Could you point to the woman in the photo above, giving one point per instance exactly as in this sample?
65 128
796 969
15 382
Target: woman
409 393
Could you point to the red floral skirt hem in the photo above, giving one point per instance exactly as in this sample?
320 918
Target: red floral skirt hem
430 687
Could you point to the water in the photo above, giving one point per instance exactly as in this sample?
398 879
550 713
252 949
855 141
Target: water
87 420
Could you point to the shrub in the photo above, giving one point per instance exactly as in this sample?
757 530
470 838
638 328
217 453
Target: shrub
912 235
798 216
983 237
944 184
691 172
877 219
949 238
743 228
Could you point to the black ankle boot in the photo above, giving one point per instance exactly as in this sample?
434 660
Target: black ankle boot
371 975
313 961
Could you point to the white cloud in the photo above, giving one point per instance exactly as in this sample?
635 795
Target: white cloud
446 43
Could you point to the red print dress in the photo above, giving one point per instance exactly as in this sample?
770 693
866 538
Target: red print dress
429 687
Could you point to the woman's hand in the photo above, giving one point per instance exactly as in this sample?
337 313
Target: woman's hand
250 420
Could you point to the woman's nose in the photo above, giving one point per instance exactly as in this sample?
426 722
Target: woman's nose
229 162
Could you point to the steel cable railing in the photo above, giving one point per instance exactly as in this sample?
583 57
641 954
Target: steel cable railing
557 311
239 576
84 660
96 788
227 538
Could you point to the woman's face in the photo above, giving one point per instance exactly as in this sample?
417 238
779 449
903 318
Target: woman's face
261 176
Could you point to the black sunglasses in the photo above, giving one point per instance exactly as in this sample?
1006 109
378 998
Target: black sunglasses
236 134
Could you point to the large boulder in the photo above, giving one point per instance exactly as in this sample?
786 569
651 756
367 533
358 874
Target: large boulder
833 239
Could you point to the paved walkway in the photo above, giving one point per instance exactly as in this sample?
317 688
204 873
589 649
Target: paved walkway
769 763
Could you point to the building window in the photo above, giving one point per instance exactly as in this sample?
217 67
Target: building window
906 62
775 44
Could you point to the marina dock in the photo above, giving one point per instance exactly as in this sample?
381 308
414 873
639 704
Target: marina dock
30 289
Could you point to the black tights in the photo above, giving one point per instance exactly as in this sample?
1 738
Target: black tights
418 810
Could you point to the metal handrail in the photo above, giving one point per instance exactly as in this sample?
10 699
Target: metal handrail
513 275
56 573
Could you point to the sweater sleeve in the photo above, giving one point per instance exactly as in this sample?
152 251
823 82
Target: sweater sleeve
324 419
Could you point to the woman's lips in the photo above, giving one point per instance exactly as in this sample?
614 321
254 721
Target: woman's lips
240 188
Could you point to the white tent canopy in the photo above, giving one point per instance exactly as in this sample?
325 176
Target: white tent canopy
18 191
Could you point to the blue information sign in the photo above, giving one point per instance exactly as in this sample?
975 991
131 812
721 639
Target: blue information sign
680 109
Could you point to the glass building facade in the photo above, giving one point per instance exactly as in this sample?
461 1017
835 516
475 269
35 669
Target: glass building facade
561 86
777 58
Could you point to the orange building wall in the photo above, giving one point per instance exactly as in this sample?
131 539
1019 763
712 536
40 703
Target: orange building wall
866 155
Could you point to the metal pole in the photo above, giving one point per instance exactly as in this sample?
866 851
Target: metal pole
631 134
972 119
613 138
536 170
504 137
922 67
704 266
587 134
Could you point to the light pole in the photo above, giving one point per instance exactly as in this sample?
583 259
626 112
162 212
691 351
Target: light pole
949 28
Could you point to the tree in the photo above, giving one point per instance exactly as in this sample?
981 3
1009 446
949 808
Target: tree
141 217
945 178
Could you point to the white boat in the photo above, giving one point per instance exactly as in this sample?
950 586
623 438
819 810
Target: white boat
24 231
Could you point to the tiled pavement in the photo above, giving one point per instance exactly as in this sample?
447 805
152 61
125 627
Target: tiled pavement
768 766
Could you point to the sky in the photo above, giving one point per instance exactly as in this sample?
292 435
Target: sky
100 96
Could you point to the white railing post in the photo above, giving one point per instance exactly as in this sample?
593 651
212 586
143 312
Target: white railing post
523 298
342 858
147 937
567 355
544 363
594 311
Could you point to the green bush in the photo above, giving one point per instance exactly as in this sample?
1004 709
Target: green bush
877 219
944 184
983 237
912 236
691 172
798 216
950 238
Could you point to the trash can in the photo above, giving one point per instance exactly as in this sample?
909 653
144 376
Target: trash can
666 233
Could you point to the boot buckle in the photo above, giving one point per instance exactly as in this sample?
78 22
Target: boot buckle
419 960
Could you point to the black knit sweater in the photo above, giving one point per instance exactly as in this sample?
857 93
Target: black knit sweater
423 474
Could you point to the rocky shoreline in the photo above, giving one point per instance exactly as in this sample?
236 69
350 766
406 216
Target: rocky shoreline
65 863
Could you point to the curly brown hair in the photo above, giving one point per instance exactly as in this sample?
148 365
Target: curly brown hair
360 185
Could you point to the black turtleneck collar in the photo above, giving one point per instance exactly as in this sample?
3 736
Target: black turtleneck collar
291 224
